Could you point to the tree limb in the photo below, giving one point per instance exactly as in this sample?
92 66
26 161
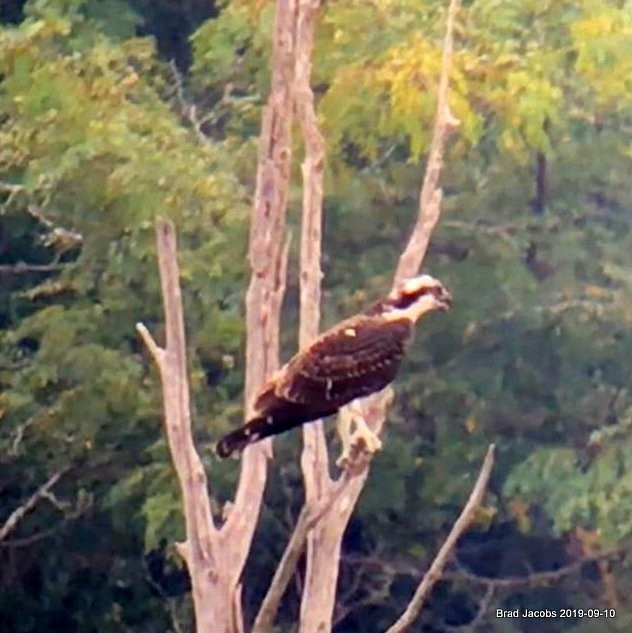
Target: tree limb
307 519
431 194
21 267
314 459
533 579
19 513
492 585
282 575
321 493
201 552
27 541
157 353
435 571
268 255
482 609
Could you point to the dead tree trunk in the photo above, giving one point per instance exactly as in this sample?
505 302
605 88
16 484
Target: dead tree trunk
268 261
200 550
216 556
325 539
329 504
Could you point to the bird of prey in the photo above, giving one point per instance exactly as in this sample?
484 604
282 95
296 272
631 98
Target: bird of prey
357 357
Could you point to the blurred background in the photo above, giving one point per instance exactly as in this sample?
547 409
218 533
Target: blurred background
113 111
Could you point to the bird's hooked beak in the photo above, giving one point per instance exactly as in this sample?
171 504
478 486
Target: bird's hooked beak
443 298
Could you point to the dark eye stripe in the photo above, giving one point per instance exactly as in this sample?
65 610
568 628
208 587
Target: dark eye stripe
406 300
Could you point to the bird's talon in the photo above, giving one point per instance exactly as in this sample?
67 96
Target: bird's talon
365 440
345 457
362 442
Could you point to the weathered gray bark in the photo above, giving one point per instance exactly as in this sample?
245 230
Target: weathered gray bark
324 540
209 587
216 556
268 261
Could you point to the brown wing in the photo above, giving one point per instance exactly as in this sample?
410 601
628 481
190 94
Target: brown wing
354 359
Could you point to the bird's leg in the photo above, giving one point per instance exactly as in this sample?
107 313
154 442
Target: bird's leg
344 431
361 439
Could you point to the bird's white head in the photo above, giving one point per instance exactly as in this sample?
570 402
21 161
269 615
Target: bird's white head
415 297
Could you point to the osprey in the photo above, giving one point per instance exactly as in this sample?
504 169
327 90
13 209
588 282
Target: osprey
359 356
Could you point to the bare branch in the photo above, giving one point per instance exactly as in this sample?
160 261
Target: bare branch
60 238
62 506
533 579
431 194
173 616
430 197
312 169
282 575
13 190
202 554
460 574
268 254
378 593
19 434
9 187
314 460
187 110
435 571
483 608
82 505
307 519
19 513
21 267
158 354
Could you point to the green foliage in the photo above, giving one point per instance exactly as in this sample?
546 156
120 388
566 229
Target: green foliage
91 153
596 495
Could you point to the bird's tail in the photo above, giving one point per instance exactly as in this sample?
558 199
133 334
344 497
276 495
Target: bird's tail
238 439
286 416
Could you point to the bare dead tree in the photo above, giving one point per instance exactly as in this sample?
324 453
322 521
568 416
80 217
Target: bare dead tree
215 555
201 549
338 498
212 553
325 537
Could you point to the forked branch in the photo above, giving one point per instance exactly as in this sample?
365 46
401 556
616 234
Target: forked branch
19 513
200 549
317 603
435 571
